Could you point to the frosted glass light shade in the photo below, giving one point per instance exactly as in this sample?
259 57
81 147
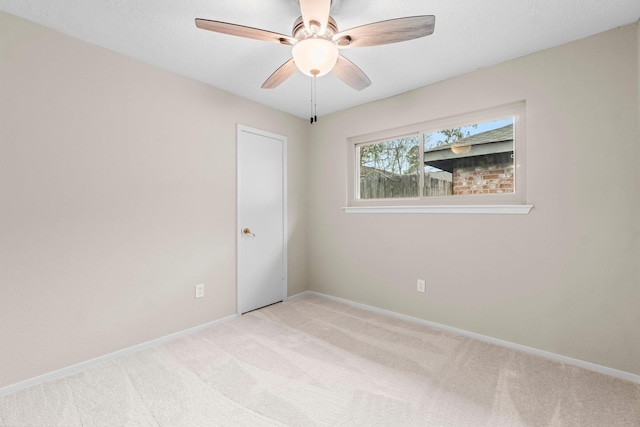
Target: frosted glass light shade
315 57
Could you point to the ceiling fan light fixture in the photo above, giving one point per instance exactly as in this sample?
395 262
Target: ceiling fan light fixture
315 41
315 57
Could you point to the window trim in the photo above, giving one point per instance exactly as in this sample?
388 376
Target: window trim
441 209
489 203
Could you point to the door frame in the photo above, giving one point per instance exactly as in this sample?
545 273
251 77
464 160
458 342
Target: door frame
243 128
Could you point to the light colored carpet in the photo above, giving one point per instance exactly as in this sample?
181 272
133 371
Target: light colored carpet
316 362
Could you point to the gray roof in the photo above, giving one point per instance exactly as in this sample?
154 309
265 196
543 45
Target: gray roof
504 133
494 141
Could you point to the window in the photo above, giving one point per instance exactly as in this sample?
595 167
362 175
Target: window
389 169
473 159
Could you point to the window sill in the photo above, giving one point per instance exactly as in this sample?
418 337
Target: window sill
441 209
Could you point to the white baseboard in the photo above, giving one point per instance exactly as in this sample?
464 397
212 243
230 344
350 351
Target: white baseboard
303 293
546 354
120 353
116 354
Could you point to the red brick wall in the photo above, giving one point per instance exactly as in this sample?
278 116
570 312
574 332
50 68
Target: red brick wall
489 174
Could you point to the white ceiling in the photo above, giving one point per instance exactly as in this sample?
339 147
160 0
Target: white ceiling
469 34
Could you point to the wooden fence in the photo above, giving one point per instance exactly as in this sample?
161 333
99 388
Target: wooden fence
437 186
380 185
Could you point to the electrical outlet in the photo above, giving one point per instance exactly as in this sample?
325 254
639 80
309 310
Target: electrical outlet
421 285
200 290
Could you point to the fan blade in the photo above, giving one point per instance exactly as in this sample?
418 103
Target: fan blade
349 73
315 13
242 31
385 32
285 71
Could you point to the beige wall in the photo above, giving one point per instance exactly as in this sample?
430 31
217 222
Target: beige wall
117 196
564 278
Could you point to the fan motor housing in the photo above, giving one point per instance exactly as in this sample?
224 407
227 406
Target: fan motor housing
300 32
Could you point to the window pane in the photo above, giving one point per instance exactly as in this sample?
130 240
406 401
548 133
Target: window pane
473 159
389 169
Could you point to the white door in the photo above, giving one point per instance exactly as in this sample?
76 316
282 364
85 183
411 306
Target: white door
261 219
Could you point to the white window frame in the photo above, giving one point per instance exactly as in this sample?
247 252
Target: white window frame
510 203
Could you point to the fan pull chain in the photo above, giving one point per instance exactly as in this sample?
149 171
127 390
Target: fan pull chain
311 120
314 107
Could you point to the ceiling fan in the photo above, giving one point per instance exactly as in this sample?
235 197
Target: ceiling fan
316 41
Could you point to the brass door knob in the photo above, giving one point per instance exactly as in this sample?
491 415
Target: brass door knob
247 231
